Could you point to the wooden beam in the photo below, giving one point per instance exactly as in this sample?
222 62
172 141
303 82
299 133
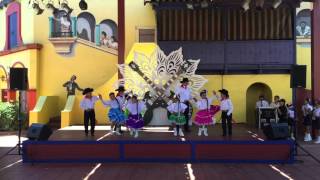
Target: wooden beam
121 33
315 62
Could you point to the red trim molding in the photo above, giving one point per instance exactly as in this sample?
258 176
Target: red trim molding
13 7
21 48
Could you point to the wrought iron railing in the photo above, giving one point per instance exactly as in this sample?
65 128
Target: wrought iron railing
61 34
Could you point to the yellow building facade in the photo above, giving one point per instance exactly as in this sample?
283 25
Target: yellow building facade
95 66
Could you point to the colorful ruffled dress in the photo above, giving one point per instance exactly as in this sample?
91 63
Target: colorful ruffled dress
206 112
177 117
135 119
115 114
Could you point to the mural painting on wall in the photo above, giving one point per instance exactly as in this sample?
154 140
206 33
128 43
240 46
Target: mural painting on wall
109 34
106 33
86 24
62 25
303 27
84 29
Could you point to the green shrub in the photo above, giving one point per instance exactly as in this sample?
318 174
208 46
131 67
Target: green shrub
8 116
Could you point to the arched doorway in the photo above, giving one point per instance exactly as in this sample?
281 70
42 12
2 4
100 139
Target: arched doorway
3 79
18 64
252 96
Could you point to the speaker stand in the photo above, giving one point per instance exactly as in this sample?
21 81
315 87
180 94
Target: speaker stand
18 145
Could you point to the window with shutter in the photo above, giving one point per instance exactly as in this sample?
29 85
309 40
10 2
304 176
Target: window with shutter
146 34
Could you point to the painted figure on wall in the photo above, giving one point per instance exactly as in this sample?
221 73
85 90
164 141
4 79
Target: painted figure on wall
86 26
303 27
71 86
109 34
110 42
62 25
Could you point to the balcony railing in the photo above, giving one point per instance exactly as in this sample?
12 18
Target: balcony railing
61 34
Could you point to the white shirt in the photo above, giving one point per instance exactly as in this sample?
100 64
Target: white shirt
87 103
316 112
291 113
122 101
135 108
177 107
306 109
226 105
111 103
203 104
274 105
261 104
184 93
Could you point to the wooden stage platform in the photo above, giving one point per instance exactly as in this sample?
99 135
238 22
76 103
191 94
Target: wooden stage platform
157 144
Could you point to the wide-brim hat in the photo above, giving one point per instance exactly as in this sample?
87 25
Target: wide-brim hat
121 88
87 90
224 91
135 96
184 80
203 92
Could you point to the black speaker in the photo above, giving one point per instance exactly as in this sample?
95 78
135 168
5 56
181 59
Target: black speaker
39 132
19 79
298 76
276 131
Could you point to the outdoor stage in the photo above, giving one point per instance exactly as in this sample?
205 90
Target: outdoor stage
157 144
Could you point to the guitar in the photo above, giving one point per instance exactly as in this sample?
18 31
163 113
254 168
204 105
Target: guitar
160 100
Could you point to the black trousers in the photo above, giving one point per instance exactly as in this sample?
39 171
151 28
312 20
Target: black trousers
226 123
89 116
186 115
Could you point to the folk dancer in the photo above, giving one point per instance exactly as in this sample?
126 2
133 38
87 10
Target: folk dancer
307 118
185 95
87 104
121 97
206 112
177 118
226 108
316 115
135 121
292 120
115 114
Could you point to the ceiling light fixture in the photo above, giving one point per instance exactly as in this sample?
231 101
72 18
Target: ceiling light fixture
65 7
246 5
37 9
83 5
276 3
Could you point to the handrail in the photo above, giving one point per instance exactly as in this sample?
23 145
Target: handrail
101 48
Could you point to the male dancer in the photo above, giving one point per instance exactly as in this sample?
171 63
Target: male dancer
185 94
226 108
87 104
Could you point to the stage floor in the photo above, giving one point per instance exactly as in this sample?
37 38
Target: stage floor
240 132
11 167
157 144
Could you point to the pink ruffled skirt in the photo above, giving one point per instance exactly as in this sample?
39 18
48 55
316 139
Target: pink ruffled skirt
204 117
